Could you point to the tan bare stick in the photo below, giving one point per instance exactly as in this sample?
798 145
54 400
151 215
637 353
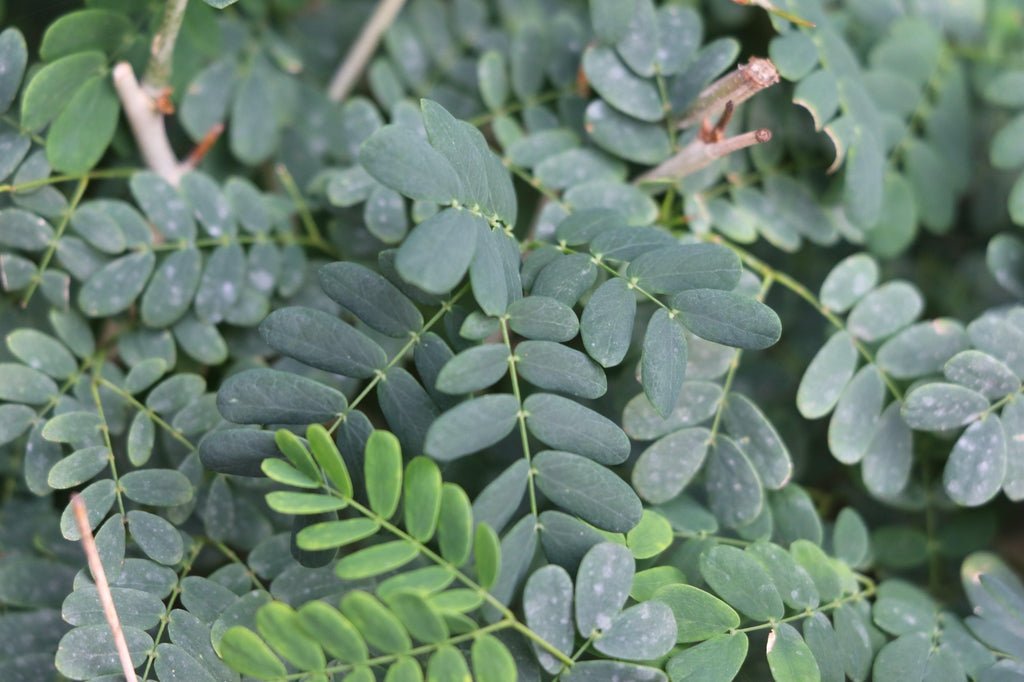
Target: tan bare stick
102 587
359 54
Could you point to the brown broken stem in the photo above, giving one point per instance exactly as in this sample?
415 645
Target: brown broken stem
362 49
736 87
204 146
99 577
699 154
147 124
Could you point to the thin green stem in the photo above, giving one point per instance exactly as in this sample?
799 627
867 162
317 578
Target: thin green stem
866 593
765 270
234 558
932 543
520 414
37 278
549 194
164 619
98 174
734 366
312 231
519 105
160 421
414 338
94 388
666 106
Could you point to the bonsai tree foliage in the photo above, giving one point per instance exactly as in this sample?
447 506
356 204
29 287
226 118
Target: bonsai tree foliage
578 340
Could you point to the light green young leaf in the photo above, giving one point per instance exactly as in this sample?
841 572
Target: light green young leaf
383 470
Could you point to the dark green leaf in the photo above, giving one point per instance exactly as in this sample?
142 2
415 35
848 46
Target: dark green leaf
323 341
588 490
663 364
267 396
371 298
547 604
728 318
404 161
438 252
471 426
543 318
114 287
474 369
742 582
602 586
554 367
564 424
666 467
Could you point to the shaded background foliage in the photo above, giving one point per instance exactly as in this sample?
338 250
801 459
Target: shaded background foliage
530 307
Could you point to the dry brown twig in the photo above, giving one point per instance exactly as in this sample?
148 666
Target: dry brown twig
99 577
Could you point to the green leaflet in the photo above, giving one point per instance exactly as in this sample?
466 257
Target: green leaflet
548 605
602 586
588 490
728 318
663 363
789 656
825 378
371 298
438 252
266 396
741 581
554 367
471 426
322 340
564 424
